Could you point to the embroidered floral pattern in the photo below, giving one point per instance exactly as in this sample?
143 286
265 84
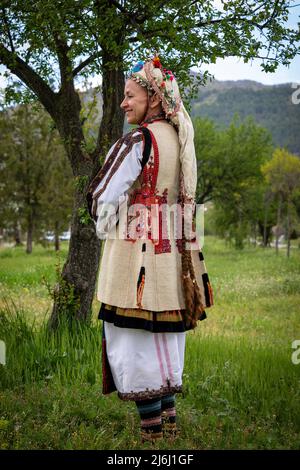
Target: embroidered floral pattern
163 245
150 218
146 394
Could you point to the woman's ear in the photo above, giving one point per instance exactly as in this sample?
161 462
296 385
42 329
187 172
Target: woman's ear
155 100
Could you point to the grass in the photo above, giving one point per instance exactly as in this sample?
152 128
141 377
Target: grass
241 389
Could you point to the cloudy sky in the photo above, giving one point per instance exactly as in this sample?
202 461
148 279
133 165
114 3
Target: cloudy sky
233 68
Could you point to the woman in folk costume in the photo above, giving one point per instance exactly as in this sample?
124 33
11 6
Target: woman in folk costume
153 284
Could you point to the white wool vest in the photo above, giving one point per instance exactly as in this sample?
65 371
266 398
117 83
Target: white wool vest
146 273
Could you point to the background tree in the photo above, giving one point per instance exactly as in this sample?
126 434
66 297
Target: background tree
35 191
243 147
229 173
9 222
48 45
25 142
267 215
271 106
225 156
211 166
57 196
283 175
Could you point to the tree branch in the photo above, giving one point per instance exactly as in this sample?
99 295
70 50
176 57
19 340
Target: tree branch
150 34
137 20
229 19
83 64
202 24
272 16
62 55
31 79
120 7
133 19
8 30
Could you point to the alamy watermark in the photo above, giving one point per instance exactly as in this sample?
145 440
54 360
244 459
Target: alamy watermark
296 93
154 221
296 353
2 353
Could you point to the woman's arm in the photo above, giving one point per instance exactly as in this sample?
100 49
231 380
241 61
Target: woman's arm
112 189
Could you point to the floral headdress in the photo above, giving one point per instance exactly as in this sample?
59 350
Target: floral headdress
151 75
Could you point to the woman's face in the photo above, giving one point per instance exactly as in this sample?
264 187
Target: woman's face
135 103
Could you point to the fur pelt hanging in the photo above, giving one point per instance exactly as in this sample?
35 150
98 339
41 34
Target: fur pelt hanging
193 300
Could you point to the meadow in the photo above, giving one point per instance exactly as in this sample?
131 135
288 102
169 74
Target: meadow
241 387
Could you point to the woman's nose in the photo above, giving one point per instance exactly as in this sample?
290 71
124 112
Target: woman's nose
122 105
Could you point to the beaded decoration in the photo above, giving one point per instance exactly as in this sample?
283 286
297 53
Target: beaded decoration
151 75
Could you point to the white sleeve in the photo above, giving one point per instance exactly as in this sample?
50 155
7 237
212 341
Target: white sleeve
118 185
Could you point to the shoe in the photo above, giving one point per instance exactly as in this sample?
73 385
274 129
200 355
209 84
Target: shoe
152 437
170 430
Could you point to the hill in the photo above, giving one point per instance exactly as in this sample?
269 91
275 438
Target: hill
270 105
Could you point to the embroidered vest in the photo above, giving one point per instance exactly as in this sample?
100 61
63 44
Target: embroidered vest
147 208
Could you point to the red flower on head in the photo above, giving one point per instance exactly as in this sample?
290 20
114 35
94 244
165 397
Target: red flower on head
156 62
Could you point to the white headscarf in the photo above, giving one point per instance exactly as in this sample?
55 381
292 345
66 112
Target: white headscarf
151 75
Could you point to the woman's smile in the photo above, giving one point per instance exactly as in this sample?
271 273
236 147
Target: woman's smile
135 103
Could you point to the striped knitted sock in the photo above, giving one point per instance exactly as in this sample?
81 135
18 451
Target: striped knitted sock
168 415
168 408
150 414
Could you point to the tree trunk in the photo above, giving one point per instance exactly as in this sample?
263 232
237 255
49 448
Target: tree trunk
56 237
265 224
265 232
239 235
278 224
255 234
112 123
17 233
74 292
29 232
288 230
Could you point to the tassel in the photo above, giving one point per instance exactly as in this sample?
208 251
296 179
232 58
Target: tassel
193 300
211 297
198 305
140 287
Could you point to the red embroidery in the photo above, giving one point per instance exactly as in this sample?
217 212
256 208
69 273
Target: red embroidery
163 245
179 228
149 217
179 245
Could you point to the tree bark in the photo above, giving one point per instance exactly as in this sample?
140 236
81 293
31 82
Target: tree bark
112 123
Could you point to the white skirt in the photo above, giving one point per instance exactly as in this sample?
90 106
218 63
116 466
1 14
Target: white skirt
143 364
